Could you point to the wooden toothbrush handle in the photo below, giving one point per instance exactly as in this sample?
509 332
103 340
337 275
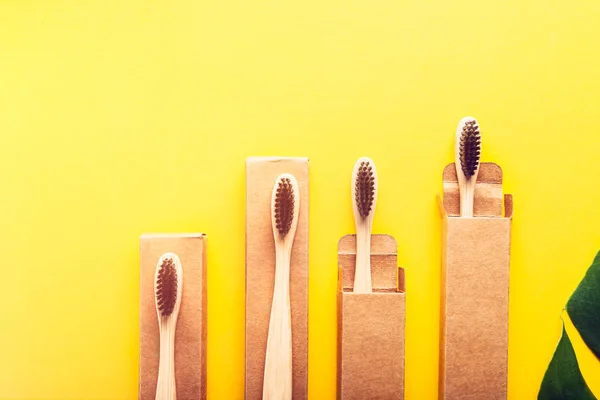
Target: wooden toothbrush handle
277 383
362 273
467 199
165 386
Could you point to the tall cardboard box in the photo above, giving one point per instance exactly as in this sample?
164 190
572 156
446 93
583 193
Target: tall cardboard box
261 173
475 290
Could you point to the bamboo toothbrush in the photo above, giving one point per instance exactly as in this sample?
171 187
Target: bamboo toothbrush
285 207
167 290
364 199
468 151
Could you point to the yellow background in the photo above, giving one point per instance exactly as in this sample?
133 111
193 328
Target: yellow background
122 117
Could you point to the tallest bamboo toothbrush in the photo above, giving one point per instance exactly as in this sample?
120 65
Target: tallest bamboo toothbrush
468 151
364 199
285 207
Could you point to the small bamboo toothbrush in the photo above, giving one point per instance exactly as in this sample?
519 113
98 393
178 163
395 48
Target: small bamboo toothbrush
285 207
468 151
167 290
364 200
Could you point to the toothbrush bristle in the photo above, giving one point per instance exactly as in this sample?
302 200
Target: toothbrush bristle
470 148
364 188
166 287
284 206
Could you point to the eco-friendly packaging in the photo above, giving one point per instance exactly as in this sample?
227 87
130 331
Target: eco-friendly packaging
474 290
371 325
261 174
190 334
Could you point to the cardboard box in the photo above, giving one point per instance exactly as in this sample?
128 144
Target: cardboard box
190 335
261 174
475 289
371 326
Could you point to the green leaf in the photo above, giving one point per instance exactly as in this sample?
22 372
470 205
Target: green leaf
584 307
563 379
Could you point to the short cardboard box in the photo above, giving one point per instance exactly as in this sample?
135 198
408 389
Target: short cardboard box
190 334
371 326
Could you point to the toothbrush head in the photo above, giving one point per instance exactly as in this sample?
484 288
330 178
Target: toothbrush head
364 187
469 147
166 287
284 205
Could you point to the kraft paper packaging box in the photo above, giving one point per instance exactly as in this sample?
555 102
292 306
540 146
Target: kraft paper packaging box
190 334
371 325
261 174
475 290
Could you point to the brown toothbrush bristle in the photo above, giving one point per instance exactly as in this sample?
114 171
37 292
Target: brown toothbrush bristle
166 287
364 189
284 206
470 148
